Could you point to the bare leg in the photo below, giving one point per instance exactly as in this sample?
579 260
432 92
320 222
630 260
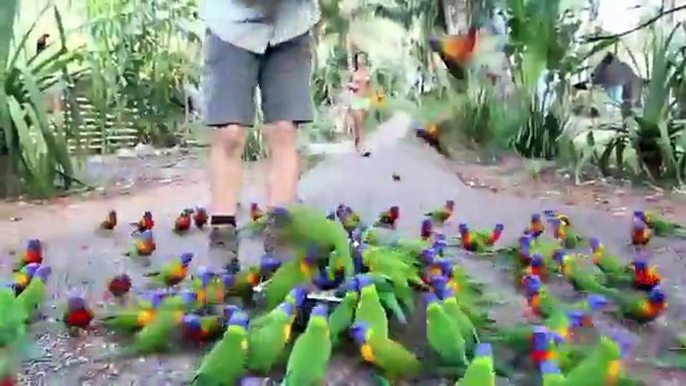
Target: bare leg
360 121
226 169
283 164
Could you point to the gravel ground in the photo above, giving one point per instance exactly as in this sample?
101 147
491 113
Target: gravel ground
82 260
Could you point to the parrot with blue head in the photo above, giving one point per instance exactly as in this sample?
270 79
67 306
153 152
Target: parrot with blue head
441 215
443 333
22 278
479 241
659 224
34 296
640 233
143 245
616 271
33 254
646 277
202 329
565 234
215 369
77 315
369 308
536 226
172 273
394 360
267 342
311 351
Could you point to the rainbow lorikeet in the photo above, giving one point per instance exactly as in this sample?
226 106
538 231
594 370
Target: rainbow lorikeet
389 356
110 222
616 271
143 245
640 233
146 223
119 285
443 333
565 234
32 254
200 217
341 317
639 306
481 371
659 225
267 342
33 297
348 218
645 277
77 315
442 214
311 352
388 218
215 369
479 241
456 51
536 226
183 222
131 319
426 230
431 135
172 273
208 328
22 278
369 308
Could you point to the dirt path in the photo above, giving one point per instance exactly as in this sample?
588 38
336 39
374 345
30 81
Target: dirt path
82 260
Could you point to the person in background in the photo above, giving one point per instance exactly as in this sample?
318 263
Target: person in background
360 101
250 44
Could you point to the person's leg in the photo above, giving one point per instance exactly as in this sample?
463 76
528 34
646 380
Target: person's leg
286 102
360 124
229 81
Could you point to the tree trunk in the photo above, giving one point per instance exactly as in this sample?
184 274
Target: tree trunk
456 15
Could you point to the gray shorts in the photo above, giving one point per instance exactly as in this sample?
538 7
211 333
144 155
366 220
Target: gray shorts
231 75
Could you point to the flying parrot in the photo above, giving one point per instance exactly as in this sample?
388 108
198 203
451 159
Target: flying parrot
456 51
443 214
215 369
110 222
77 315
659 225
267 342
172 273
34 295
389 217
32 254
481 370
389 356
311 352
183 222
443 334
200 217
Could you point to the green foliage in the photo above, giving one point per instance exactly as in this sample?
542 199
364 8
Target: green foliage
37 152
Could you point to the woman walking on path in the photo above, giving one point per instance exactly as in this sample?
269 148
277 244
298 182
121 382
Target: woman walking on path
360 102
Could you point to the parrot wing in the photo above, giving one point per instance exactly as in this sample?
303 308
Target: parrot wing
286 277
341 317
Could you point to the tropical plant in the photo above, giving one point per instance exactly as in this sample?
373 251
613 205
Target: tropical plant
36 149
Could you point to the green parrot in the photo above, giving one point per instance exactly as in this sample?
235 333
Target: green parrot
14 344
369 308
600 368
348 218
267 342
443 333
127 320
390 356
172 273
304 227
479 241
393 297
465 325
580 276
341 317
382 260
287 277
216 369
33 296
660 225
637 306
311 352
296 298
481 370
442 214
565 234
550 374
616 271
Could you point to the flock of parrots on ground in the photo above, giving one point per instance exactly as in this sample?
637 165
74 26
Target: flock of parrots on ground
374 277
